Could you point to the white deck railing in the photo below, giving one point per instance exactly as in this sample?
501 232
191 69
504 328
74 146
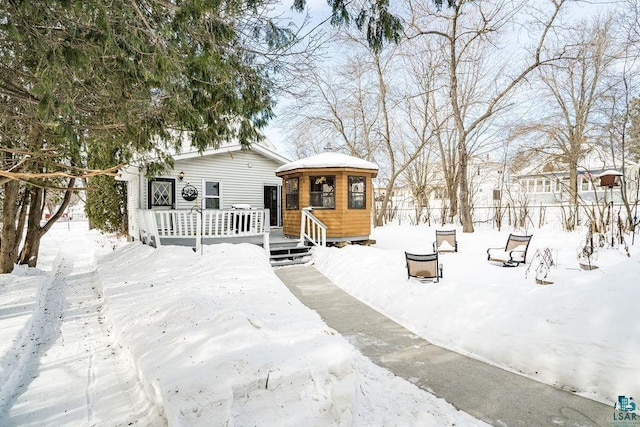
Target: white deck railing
195 223
312 229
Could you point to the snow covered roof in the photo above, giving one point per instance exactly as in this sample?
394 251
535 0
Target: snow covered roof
610 172
595 158
225 148
186 147
328 160
185 150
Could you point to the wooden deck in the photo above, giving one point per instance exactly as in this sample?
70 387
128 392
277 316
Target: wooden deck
194 228
276 237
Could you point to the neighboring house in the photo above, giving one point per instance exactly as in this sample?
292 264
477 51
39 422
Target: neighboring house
549 185
217 179
541 185
488 181
401 196
486 185
544 186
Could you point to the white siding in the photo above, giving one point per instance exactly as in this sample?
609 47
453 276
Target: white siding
133 197
242 175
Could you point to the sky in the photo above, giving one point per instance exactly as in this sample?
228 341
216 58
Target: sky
108 332
319 12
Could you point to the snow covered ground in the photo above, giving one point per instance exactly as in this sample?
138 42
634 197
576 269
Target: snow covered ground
109 333
581 333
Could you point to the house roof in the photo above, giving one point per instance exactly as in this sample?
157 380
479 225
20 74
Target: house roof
227 148
264 147
595 159
328 160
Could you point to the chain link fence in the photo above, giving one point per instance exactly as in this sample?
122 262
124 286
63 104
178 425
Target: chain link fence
516 216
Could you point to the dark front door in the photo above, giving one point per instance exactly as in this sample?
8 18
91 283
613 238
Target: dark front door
271 202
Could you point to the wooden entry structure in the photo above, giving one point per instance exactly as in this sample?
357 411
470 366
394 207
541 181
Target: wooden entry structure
334 188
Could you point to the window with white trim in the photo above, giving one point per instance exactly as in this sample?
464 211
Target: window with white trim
537 185
211 199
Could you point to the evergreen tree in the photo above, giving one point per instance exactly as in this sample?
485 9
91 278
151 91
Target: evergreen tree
106 205
127 77
130 77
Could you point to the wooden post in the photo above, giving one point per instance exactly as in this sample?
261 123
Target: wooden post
266 218
199 231
302 223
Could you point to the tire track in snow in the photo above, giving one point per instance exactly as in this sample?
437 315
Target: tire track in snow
89 386
35 339
108 360
80 376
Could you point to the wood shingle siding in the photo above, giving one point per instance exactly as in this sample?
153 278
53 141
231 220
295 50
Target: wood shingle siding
342 222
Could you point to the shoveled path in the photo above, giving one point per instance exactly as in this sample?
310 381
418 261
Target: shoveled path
488 393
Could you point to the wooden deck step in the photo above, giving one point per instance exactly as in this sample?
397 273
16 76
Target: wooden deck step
289 254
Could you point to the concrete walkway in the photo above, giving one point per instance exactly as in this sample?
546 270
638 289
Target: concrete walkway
491 394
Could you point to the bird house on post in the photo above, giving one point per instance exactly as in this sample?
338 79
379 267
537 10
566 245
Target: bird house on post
610 178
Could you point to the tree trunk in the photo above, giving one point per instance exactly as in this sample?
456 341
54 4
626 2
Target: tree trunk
382 87
573 193
465 207
29 252
452 195
382 212
8 246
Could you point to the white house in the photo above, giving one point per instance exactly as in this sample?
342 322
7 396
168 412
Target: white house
541 187
548 183
487 181
217 180
544 185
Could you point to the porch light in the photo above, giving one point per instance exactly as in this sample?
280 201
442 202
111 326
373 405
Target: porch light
180 176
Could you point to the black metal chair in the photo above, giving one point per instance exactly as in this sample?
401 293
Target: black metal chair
514 252
445 241
423 266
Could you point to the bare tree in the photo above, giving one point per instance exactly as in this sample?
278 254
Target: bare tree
624 110
357 106
335 108
419 175
572 95
467 29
